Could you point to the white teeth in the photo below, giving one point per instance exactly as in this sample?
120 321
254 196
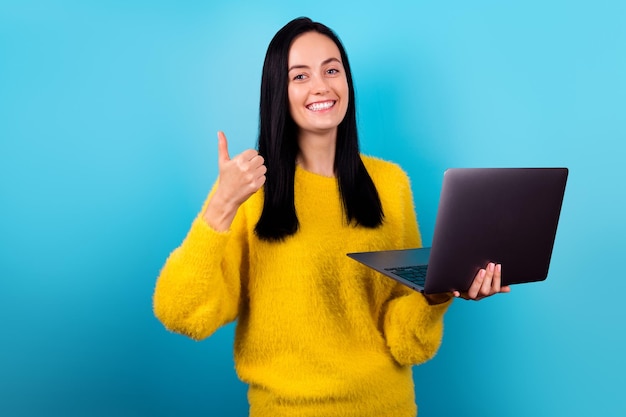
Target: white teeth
321 106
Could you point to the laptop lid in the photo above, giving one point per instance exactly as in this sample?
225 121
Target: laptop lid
502 215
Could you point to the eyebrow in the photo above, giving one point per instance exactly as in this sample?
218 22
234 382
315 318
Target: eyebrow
325 62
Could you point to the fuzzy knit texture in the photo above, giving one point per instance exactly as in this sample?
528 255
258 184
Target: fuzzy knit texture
317 334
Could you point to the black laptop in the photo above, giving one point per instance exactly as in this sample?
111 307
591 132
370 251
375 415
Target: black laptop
502 215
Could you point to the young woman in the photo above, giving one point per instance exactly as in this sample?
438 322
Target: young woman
317 333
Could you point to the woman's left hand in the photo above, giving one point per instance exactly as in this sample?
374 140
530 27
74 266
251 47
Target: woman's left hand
487 282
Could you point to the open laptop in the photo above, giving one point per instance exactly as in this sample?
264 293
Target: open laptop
502 215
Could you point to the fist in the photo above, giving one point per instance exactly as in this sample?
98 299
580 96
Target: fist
241 176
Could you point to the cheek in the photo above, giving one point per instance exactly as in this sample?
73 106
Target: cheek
294 93
343 90
291 98
345 97
295 98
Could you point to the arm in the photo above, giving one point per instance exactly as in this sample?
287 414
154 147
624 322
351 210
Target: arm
413 327
198 289
413 323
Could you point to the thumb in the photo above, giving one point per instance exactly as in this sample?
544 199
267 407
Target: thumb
222 148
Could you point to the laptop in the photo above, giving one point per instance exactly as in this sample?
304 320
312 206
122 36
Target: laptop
502 215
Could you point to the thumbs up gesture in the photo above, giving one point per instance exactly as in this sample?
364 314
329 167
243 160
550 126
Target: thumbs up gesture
239 178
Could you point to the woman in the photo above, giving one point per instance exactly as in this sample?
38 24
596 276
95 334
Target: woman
317 333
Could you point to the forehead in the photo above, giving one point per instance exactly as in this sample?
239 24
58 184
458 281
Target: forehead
311 48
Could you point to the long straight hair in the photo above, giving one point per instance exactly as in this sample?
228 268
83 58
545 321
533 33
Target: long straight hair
279 146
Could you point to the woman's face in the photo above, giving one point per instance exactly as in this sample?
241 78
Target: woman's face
318 86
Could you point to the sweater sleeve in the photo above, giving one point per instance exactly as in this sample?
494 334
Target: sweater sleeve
198 289
413 328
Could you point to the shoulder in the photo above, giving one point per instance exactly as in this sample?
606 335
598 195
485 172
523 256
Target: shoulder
384 172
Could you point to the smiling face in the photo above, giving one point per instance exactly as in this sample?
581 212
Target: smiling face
318 88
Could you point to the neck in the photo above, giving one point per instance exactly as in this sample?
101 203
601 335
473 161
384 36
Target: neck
317 153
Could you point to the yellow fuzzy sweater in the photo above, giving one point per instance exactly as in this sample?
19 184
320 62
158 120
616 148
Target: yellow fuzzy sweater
317 333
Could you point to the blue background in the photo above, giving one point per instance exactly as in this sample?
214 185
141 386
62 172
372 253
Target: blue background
108 120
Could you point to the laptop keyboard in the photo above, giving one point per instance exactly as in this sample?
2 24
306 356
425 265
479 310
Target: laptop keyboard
416 274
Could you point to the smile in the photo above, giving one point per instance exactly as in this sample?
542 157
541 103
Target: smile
321 105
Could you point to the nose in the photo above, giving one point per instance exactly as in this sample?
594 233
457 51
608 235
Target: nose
319 85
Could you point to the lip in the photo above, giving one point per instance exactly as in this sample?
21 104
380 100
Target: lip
320 106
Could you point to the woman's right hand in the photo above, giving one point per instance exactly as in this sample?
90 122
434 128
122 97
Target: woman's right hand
239 178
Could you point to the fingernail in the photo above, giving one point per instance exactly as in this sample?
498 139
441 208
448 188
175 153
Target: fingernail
499 267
